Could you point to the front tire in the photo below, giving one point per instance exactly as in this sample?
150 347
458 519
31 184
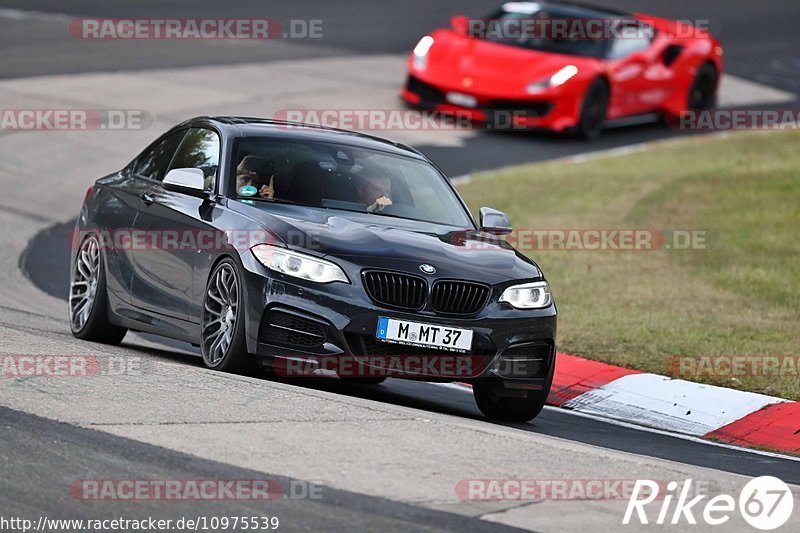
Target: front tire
88 299
703 91
495 403
223 343
593 111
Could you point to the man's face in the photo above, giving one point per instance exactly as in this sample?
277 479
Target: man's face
374 188
247 177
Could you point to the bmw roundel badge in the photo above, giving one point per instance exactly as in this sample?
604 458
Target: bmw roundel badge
428 269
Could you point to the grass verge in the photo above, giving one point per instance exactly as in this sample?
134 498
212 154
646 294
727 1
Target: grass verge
673 312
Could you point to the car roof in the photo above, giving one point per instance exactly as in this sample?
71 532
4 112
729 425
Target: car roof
565 8
263 127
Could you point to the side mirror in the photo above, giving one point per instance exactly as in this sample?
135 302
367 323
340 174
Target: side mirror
494 221
186 180
460 24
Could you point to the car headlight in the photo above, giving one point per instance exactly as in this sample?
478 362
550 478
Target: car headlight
421 52
298 265
559 78
534 295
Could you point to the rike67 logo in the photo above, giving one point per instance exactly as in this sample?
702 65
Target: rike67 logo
765 503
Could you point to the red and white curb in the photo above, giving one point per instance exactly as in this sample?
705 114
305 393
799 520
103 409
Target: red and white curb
675 405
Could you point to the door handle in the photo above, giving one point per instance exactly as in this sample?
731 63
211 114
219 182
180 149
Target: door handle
147 197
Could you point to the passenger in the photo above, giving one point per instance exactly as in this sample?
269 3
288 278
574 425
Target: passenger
374 191
253 171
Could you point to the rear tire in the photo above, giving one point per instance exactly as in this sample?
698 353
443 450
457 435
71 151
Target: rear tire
223 344
88 299
495 406
593 111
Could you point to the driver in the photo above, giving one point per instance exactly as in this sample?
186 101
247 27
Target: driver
253 171
374 191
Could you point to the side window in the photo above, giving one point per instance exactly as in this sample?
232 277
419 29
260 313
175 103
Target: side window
632 39
199 149
153 162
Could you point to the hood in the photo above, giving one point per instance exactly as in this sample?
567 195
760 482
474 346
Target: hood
492 67
395 244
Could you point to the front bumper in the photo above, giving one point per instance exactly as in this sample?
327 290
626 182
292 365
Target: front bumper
553 110
301 328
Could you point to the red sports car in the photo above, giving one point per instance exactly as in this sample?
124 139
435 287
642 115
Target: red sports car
563 66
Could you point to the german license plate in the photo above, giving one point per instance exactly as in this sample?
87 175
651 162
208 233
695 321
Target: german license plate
425 335
461 99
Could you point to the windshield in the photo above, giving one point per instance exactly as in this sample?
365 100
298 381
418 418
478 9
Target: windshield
546 31
345 178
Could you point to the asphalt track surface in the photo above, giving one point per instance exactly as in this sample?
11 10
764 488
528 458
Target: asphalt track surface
61 449
39 454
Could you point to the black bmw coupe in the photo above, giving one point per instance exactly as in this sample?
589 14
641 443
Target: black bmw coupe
312 251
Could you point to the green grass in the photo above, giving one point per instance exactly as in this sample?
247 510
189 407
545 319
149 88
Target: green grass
738 296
